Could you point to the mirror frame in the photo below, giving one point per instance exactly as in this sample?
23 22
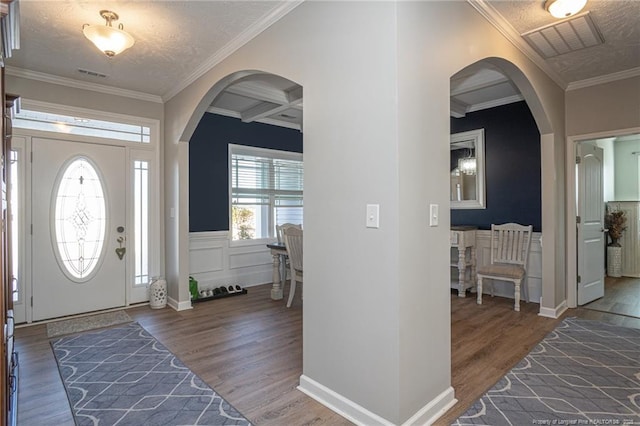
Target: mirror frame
477 136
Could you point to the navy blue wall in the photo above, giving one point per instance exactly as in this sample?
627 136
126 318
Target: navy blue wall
209 159
512 164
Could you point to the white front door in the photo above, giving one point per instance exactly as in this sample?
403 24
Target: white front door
79 235
591 237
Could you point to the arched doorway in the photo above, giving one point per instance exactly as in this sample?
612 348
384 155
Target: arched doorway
245 179
247 110
495 84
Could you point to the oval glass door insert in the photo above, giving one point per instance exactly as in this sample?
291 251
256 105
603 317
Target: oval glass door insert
80 219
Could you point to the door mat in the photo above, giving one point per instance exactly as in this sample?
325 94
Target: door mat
76 325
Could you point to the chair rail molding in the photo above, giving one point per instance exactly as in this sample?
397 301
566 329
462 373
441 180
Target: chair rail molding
214 262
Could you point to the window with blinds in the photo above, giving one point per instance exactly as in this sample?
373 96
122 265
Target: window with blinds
266 190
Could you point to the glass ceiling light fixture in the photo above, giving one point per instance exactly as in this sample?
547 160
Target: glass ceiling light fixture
108 39
564 8
467 165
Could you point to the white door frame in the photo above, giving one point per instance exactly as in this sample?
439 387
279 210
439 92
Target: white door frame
570 203
57 291
150 152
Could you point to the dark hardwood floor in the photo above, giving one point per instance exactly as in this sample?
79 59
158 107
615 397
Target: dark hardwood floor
249 349
621 296
488 340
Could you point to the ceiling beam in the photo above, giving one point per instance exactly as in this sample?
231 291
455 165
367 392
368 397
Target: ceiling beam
262 110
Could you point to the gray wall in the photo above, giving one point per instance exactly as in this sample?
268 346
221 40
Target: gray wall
605 107
627 169
376 313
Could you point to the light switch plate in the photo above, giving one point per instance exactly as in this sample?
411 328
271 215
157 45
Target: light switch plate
433 215
373 216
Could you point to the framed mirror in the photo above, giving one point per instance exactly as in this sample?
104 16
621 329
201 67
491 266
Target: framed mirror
467 170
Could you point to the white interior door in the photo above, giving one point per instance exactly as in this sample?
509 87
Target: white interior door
591 237
78 216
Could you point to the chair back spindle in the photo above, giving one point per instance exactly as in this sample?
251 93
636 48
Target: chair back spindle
293 237
510 243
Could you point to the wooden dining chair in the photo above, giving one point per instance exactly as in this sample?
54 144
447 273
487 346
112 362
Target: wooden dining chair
280 230
293 243
280 236
510 243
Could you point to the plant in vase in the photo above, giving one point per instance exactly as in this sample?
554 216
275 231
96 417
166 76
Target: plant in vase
615 221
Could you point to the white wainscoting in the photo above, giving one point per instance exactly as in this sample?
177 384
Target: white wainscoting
505 289
213 262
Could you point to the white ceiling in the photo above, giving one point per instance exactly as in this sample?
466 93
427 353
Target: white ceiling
177 41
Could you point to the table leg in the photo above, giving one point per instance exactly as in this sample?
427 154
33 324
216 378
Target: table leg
283 271
474 269
276 290
462 265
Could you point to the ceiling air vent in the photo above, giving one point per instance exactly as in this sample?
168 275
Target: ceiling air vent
575 33
92 73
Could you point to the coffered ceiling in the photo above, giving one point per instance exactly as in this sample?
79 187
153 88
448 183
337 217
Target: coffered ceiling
177 41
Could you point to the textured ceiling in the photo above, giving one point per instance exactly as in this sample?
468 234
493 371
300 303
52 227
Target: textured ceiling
173 39
176 41
617 20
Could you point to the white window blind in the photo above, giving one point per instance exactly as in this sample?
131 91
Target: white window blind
266 190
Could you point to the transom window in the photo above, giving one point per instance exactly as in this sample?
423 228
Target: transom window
49 122
266 190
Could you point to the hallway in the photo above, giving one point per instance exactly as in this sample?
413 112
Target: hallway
621 297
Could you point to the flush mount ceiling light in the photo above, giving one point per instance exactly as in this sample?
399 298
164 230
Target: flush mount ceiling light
108 39
564 8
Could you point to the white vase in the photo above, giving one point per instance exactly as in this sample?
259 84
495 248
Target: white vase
614 261
158 293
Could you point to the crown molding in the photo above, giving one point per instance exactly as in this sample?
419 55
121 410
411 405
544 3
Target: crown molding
84 85
621 75
505 28
235 44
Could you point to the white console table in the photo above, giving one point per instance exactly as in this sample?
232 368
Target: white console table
463 238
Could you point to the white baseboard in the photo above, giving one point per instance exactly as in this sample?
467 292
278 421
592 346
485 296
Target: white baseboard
341 405
179 306
555 312
431 412
361 416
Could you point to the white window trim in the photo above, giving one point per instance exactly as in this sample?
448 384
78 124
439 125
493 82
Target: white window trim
153 124
258 152
134 151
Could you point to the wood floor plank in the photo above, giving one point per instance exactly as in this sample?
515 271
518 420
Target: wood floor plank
249 349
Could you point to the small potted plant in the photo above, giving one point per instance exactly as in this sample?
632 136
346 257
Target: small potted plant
615 221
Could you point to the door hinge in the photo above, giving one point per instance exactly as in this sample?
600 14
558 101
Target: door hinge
578 219
31 156
578 159
579 279
32 301
31 229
